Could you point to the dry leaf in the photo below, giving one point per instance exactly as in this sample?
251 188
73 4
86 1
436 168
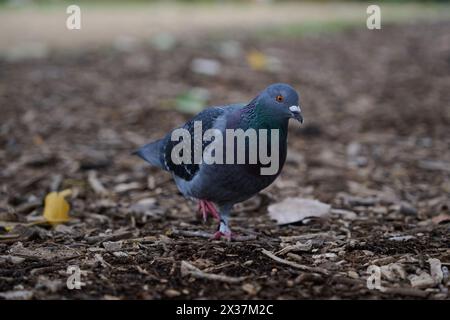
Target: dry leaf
292 210
257 60
56 208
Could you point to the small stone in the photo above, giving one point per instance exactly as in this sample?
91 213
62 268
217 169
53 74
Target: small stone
401 238
120 254
353 274
144 206
407 209
325 256
247 263
125 187
380 210
208 67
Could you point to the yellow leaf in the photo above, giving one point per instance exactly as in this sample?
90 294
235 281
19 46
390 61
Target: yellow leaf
56 208
257 60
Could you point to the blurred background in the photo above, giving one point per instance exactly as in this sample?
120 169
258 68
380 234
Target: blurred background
75 103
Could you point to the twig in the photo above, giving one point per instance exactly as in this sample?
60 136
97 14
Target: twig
348 281
385 260
206 235
147 239
28 206
95 184
109 237
188 233
307 246
244 238
189 269
220 266
294 264
412 292
309 236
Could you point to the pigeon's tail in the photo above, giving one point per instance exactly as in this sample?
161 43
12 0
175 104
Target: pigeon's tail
151 153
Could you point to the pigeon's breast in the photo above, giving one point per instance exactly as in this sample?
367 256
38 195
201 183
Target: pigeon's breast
224 184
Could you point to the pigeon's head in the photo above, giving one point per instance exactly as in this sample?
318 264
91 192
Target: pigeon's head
282 102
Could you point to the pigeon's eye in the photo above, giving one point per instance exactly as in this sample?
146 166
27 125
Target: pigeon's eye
279 98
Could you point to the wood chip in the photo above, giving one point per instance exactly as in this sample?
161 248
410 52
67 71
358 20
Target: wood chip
294 264
189 269
95 183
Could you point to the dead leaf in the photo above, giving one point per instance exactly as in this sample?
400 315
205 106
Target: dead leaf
258 61
292 210
56 208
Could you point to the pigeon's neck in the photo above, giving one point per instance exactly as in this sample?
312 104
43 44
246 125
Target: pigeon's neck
256 117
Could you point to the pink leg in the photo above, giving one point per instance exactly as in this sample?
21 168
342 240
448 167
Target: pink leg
223 230
212 209
202 210
206 207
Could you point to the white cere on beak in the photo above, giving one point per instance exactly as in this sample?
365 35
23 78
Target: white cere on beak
295 109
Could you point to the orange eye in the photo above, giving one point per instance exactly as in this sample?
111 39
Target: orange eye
279 98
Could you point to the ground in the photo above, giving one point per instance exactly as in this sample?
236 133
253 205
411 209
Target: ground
375 146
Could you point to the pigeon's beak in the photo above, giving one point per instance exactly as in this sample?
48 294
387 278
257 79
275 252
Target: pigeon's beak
296 113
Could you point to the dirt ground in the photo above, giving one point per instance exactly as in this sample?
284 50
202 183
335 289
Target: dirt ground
375 146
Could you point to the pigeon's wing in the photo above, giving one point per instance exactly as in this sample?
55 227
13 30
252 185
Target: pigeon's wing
188 170
159 153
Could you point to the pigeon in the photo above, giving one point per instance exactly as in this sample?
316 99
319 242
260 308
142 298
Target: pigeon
217 186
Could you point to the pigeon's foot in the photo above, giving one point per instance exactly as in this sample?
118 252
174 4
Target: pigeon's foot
207 207
223 231
219 235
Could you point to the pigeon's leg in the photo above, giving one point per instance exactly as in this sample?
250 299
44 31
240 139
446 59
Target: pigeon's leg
223 228
202 209
206 207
